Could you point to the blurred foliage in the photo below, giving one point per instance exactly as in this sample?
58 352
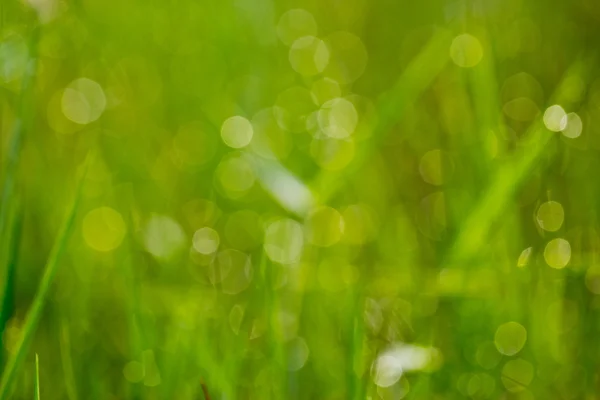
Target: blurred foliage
299 200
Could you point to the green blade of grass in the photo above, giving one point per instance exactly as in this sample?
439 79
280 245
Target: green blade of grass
205 391
36 395
67 362
9 206
417 77
135 321
357 331
485 94
475 230
41 297
22 122
284 187
11 250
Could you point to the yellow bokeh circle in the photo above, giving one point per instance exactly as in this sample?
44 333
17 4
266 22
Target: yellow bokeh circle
103 229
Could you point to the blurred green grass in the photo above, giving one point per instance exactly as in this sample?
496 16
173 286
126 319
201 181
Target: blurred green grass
299 200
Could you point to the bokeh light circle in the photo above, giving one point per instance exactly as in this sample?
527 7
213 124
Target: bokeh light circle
294 24
466 51
557 253
550 216
284 241
206 240
324 226
83 101
510 338
103 229
348 57
555 118
309 56
236 132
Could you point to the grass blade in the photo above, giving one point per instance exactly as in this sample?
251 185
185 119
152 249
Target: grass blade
21 124
67 362
37 378
205 391
10 219
11 251
475 230
41 296
415 79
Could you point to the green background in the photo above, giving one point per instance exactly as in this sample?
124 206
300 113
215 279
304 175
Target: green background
390 248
